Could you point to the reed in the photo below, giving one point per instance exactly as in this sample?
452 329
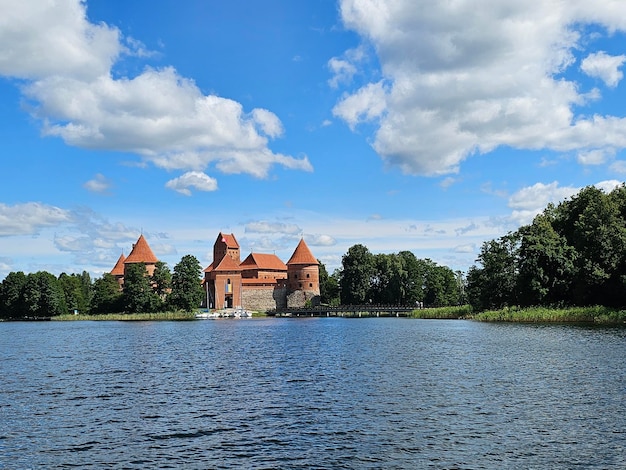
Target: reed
443 313
595 314
159 316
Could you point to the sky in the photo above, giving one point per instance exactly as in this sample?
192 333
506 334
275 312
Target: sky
400 124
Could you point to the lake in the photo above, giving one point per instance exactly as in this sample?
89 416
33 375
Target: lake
274 393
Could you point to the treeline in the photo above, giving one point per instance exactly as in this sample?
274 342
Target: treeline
390 279
42 294
572 254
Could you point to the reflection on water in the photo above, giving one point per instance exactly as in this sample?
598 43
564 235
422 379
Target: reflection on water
311 393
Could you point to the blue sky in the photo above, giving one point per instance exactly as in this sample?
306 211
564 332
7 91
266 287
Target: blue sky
399 124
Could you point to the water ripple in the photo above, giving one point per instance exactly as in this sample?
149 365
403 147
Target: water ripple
311 393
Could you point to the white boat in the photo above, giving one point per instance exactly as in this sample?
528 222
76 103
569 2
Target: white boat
207 315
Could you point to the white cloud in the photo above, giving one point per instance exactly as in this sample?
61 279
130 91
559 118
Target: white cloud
99 184
342 71
192 179
605 67
263 226
595 156
365 105
532 200
29 218
608 185
469 248
320 240
465 77
158 114
344 68
43 39
619 167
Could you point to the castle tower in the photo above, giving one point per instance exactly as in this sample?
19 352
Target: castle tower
226 245
118 270
303 271
142 253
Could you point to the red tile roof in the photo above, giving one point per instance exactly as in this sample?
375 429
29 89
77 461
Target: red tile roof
229 239
302 255
227 264
118 269
141 253
209 268
263 262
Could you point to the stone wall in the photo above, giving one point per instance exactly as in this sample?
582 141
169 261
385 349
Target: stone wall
262 300
299 298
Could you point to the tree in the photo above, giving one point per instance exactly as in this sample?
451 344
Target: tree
495 284
329 286
107 296
43 296
356 275
388 279
413 280
74 293
12 295
546 264
162 279
187 293
442 287
138 295
87 289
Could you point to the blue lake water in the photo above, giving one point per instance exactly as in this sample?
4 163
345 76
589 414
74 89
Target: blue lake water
311 393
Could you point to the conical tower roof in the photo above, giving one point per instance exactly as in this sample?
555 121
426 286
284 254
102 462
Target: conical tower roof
302 255
118 270
141 253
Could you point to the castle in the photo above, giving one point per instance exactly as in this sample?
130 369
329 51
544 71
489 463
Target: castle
261 282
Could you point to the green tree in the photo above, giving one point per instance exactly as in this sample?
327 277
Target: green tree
388 281
441 287
74 293
162 279
413 280
494 285
356 275
43 295
187 293
138 294
107 296
12 295
546 264
329 287
87 289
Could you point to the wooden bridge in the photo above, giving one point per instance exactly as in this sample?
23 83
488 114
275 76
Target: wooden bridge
350 311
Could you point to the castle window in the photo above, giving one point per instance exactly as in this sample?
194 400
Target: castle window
308 276
310 284
300 285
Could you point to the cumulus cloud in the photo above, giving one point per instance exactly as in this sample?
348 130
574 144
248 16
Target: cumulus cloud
532 200
263 226
158 114
320 240
466 77
595 156
605 67
192 179
99 184
367 104
31 217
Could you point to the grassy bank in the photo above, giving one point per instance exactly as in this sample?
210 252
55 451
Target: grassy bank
443 313
129 316
598 314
